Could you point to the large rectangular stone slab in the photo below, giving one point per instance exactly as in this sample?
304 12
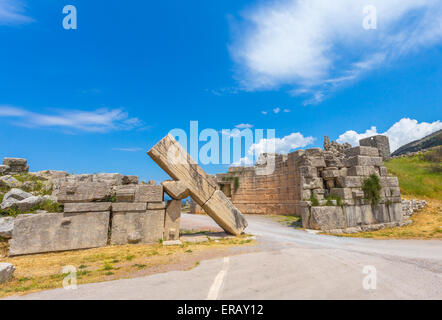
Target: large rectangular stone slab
362 151
140 193
129 207
70 192
172 220
50 232
327 218
87 207
137 227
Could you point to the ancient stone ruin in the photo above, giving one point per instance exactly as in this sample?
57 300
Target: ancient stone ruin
325 187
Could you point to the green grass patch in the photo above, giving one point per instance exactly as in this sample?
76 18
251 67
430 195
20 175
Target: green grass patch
417 176
372 189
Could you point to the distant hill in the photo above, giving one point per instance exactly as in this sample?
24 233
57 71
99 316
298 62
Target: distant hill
433 140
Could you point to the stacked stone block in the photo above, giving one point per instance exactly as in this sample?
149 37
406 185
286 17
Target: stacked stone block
14 166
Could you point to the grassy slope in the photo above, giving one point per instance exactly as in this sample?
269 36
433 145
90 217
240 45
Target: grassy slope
416 178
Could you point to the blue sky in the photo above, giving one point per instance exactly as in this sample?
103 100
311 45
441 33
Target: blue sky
97 98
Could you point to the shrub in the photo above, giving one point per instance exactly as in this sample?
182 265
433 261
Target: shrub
372 189
314 200
334 197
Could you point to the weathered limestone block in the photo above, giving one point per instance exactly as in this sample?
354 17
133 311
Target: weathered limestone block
137 226
4 169
129 207
383 171
10 181
327 218
6 227
367 217
308 172
343 193
172 220
130 180
380 142
113 179
78 178
225 214
176 189
173 159
389 181
49 232
139 193
316 161
332 161
349 182
17 194
363 161
353 216
312 183
330 173
156 205
362 151
16 165
82 192
6 272
51 174
362 171
87 207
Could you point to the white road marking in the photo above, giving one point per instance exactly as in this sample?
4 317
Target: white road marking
215 289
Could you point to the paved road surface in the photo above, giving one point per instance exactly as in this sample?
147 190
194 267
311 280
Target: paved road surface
288 264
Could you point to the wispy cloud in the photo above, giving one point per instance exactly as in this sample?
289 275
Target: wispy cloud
128 149
101 120
317 46
244 126
12 13
402 132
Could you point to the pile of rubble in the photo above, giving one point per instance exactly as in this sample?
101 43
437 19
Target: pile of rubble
410 207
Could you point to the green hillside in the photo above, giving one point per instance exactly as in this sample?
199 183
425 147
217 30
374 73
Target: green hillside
419 175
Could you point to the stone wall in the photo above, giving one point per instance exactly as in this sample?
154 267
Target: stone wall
379 142
322 186
99 209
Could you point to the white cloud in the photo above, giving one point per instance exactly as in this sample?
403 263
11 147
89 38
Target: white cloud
244 126
101 120
264 112
401 133
316 46
11 12
276 145
277 110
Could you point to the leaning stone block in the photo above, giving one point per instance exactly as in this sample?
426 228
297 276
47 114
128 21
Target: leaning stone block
82 192
137 227
176 189
362 151
87 207
172 158
49 232
172 220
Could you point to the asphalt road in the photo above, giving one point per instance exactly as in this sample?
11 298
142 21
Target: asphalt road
288 264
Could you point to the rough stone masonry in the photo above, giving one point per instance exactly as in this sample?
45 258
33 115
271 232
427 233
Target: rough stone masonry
335 172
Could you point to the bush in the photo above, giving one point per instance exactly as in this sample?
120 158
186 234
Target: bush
334 197
372 189
314 200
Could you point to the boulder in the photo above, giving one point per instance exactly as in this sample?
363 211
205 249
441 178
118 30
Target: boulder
130 180
17 194
6 227
8 203
4 169
10 181
6 272
176 189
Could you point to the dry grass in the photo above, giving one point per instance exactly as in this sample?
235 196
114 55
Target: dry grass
44 271
427 224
